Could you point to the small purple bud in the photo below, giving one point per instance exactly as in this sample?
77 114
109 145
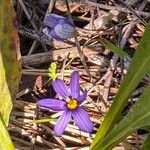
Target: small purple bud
58 27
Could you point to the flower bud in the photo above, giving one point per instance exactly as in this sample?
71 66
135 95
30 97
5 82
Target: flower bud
58 27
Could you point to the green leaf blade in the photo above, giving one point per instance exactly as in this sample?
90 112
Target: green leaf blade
10 66
136 72
10 69
146 144
5 141
112 47
135 119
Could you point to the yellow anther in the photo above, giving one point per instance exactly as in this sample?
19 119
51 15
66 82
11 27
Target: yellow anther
71 103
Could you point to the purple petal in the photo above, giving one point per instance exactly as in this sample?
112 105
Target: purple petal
62 122
64 31
52 20
74 85
53 104
65 21
82 120
55 36
60 88
82 97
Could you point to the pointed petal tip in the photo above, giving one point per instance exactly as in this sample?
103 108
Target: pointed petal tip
62 123
60 88
82 120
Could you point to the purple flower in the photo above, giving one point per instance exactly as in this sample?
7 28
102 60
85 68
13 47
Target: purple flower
70 104
58 27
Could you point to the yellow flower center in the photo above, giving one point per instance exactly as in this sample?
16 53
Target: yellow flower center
71 103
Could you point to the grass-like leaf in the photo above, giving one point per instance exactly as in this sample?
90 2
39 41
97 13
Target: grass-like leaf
5 141
135 119
112 47
9 69
136 72
43 120
146 144
9 64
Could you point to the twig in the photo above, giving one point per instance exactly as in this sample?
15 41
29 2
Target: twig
130 27
27 13
46 57
63 66
82 57
144 14
33 24
131 2
23 92
49 10
134 12
35 127
35 35
50 7
106 90
58 139
21 141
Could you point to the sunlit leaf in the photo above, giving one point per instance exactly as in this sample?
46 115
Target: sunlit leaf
9 69
9 64
5 141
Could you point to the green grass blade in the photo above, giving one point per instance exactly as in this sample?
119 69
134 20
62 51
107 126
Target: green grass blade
136 72
9 64
5 141
9 69
112 47
135 119
146 144
43 120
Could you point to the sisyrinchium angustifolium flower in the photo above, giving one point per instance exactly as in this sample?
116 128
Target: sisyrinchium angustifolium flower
69 103
58 27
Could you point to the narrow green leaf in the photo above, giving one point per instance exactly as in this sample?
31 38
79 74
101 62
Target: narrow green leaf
5 141
135 119
9 69
138 69
9 64
43 120
146 144
112 47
